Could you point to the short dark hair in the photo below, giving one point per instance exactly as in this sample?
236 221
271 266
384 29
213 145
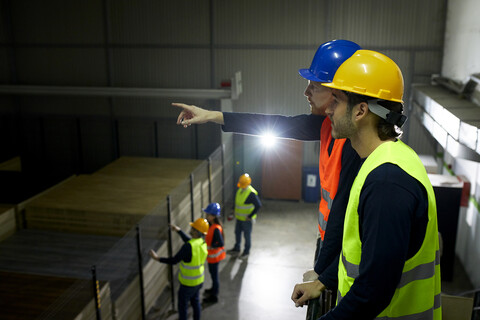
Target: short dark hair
385 129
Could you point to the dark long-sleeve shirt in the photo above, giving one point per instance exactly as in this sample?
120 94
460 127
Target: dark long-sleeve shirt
185 252
217 239
393 216
307 128
255 200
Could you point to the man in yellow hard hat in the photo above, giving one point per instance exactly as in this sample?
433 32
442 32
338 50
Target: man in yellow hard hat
192 256
389 266
247 204
338 162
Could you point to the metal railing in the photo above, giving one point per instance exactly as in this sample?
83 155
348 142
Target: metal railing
127 282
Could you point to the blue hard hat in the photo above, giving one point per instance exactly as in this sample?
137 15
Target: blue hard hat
328 58
213 209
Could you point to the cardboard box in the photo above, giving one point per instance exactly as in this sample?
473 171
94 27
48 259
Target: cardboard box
456 308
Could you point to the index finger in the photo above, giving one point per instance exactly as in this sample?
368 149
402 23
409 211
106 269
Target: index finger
182 105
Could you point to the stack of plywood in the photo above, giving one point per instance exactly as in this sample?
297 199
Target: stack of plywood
111 202
114 199
7 221
29 296
67 255
13 164
156 282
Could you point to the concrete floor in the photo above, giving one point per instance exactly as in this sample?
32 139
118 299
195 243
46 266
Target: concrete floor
283 246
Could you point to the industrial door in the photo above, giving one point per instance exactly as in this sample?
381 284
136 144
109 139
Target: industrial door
282 170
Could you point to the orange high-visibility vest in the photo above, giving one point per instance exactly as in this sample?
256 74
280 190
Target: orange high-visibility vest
329 168
214 254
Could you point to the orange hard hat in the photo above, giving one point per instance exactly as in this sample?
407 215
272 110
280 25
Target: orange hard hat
244 181
201 225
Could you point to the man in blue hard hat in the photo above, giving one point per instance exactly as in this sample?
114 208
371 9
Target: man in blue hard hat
338 163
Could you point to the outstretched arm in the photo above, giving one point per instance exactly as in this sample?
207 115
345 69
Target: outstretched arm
191 114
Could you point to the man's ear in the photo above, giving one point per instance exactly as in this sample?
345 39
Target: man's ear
361 110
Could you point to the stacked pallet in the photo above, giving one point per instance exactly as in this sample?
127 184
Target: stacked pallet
7 221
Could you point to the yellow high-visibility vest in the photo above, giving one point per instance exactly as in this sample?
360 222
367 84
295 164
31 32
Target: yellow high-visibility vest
242 210
417 295
191 273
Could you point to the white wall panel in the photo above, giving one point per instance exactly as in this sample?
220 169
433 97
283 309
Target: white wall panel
462 40
160 22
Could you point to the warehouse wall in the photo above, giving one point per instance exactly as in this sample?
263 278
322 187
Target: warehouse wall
183 44
461 59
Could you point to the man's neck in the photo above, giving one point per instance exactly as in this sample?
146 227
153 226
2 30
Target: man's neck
366 141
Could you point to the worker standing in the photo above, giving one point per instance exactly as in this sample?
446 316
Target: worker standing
390 263
216 249
338 161
191 256
247 204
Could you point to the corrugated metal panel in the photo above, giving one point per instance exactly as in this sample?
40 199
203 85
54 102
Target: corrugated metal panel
428 62
271 83
160 22
380 23
419 139
57 21
161 68
269 22
58 105
61 66
4 66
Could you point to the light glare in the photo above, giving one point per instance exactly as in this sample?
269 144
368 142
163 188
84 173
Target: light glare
268 140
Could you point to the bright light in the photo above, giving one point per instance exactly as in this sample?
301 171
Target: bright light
268 140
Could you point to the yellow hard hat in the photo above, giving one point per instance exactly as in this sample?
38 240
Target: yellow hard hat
369 73
200 224
244 181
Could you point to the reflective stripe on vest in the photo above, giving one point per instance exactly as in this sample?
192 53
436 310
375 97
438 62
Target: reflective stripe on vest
322 221
191 273
217 254
417 295
425 315
329 167
243 210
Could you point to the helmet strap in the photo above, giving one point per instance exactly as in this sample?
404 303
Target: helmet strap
386 114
